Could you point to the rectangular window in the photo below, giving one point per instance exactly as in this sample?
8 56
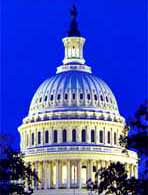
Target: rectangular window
51 97
32 138
66 96
45 98
58 97
88 96
39 137
81 96
115 138
108 137
55 136
101 136
46 137
95 97
73 96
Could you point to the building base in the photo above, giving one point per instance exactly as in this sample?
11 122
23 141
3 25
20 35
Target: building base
61 192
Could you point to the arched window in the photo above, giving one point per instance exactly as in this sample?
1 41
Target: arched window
101 136
83 135
95 97
40 99
108 137
55 136
64 136
73 135
101 97
66 96
58 97
32 138
46 137
115 138
88 96
39 137
92 136
45 99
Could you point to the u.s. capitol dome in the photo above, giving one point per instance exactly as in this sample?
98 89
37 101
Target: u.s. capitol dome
73 125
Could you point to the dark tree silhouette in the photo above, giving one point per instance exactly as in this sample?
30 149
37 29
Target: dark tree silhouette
139 133
113 180
137 139
14 173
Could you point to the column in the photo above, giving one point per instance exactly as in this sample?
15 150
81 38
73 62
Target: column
36 171
33 181
136 171
41 176
69 135
117 132
24 140
88 132
21 140
132 170
45 169
50 135
79 173
49 175
43 136
68 173
90 169
57 174
30 138
126 168
107 163
98 165
96 136
59 132
104 135
79 134
51 171
111 137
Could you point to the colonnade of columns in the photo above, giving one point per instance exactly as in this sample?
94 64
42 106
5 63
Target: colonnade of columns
70 173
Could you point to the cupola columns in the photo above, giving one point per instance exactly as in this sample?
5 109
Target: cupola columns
73 50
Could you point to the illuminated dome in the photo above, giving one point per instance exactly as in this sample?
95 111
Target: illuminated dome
73 126
73 90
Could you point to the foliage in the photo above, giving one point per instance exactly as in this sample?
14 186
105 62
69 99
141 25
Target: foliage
123 140
139 125
138 137
14 172
113 180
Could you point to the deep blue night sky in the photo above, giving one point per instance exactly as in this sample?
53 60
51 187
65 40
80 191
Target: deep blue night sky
32 49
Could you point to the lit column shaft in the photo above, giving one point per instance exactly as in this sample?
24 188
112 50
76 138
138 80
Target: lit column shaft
79 173
68 173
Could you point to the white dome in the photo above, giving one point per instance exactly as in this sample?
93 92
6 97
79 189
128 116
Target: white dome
73 90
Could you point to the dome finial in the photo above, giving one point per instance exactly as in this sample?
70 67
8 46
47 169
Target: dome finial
74 31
